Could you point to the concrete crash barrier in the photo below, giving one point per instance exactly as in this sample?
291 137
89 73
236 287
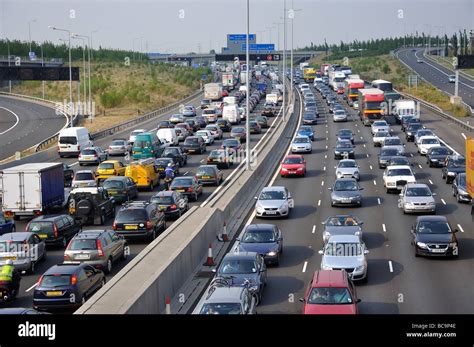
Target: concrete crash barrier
144 285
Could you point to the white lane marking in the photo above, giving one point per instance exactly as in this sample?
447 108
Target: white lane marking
411 155
371 168
361 137
185 173
431 182
358 130
460 228
326 146
14 125
74 164
375 183
463 135
324 168
33 286
364 145
319 202
419 165
201 161
252 216
322 183
367 155
379 202
444 202
390 265
327 131
325 156
314 229
384 228
326 125
304 266
327 138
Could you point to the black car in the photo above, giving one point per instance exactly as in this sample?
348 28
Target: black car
268 110
67 286
398 160
433 236
91 205
224 125
193 124
161 164
194 144
188 186
459 188
262 121
385 155
436 156
177 154
406 121
139 219
411 130
453 165
344 149
201 121
173 204
310 118
68 175
55 229
345 134
164 124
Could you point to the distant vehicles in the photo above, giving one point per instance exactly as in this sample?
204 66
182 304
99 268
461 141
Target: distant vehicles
427 142
110 168
275 201
209 174
239 133
148 145
221 157
452 78
189 111
385 155
351 89
84 178
417 197
436 156
306 130
7 225
72 139
309 74
379 137
394 142
121 188
92 155
345 134
432 236
231 114
172 203
379 125
419 60
403 108
293 165
344 149
396 177
194 144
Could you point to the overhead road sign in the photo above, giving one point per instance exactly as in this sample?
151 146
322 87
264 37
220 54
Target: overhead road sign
253 57
37 73
240 37
259 47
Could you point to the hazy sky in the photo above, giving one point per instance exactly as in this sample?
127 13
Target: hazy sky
185 25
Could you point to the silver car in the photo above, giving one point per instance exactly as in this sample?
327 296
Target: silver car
24 248
339 116
417 197
176 118
379 125
134 134
342 225
84 178
379 137
274 201
301 144
345 252
347 168
119 147
92 155
346 192
181 134
394 142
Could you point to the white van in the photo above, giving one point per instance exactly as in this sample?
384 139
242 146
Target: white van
168 135
273 98
229 100
243 89
403 108
72 140
231 113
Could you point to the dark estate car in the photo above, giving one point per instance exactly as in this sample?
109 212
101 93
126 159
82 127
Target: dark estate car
172 203
436 156
453 165
188 186
194 144
55 229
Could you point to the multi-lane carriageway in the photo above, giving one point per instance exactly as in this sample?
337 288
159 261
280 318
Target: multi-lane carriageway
397 281
55 255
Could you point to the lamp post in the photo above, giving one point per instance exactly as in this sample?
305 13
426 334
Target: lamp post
89 111
92 47
247 113
83 66
8 51
284 60
29 30
292 17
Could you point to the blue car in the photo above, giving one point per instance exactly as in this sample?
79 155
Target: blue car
6 225
67 286
306 131
264 239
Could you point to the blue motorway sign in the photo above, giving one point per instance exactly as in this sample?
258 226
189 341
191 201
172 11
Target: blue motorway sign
203 77
259 47
241 37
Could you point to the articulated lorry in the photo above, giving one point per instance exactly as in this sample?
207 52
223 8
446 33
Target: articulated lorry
309 74
213 91
351 89
371 106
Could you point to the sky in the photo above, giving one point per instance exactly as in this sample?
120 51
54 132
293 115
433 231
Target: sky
180 26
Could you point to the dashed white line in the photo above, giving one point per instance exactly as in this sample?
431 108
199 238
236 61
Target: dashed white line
364 145
460 228
319 202
324 168
33 286
326 146
390 266
322 183
444 202
185 173
74 164
314 229
419 165
371 168
431 182
304 266
378 201
367 155
325 156
384 228
463 135
375 182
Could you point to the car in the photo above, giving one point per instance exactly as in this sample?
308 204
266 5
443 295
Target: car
181 134
161 164
268 110
436 156
346 192
210 115
244 268
394 142
68 175
97 248
24 248
178 155
84 178
419 60
216 131
385 155
452 166
19 311
344 149
339 116
379 125
407 120
411 130
459 188
417 197
91 205
206 135
139 219
92 155
335 106
306 130
262 121
355 105
310 118
342 225
209 174
176 118
379 137
254 127
189 111
224 125
330 292
427 142
67 286
346 252
396 177
274 201
264 239
173 204
345 134
330 99
293 165
134 134
239 133
120 188
188 129
194 144
398 160
311 109
201 121
205 103
54 229
224 299
422 132
452 78
348 168
223 158
165 124
188 186
119 147
7 225
301 144
432 236
231 144
108 169
193 124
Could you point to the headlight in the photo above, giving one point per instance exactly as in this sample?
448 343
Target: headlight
284 169
462 191
337 152
408 204
421 244
339 173
259 208
272 254
451 173
432 203
283 208
391 184
360 268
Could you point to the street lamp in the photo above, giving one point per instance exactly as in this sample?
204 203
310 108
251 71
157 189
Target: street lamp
89 111
247 113
284 60
278 33
92 47
291 15
29 30
83 66
70 67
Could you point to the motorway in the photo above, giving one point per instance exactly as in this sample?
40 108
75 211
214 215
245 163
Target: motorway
55 255
24 124
398 283
437 74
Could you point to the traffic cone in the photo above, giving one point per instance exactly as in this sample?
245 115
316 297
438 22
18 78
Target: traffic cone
210 258
168 304
225 237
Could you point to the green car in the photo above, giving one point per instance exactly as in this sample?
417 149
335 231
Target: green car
121 188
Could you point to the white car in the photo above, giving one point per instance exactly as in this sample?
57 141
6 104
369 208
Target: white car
379 137
397 176
422 132
134 134
275 201
394 142
339 116
347 168
426 142
301 144
452 78
379 125
355 105
206 136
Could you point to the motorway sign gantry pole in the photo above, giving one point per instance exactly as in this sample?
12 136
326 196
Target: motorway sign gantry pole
247 113
284 60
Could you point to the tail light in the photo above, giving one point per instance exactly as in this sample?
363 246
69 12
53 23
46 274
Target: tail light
55 229
73 280
173 207
99 249
114 226
190 189
149 225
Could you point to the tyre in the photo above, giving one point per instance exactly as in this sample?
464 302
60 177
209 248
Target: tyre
102 219
124 255
108 266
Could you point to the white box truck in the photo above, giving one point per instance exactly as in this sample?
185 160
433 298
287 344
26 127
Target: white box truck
213 91
243 77
32 189
231 114
402 108
228 80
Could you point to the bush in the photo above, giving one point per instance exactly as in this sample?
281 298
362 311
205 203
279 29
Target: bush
386 69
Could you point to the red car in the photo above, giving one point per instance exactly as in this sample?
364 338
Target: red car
225 93
330 292
293 165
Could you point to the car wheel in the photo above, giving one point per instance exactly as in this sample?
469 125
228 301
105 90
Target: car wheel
457 198
108 267
124 252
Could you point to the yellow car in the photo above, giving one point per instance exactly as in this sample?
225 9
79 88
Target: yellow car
110 168
143 173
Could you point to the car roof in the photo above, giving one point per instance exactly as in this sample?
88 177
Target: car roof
344 238
273 188
225 294
47 217
164 193
84 171
89 234
329 278
241 255
431 218
417 185
260 227
398 167
64 269
115 178
110 161
346 179
16 236
347 160
92 190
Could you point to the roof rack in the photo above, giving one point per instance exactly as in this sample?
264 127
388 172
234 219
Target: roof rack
136 203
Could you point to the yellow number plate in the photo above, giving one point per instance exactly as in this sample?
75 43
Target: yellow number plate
131 227
54 293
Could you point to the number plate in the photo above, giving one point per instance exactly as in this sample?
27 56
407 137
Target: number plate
206 177
43 236
435 250
346 200
131 227
8 258
270 212
180 190
82 256
163 207
54 293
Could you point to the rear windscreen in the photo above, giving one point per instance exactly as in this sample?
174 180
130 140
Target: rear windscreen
82 245
68 140
36 227
132 215
51 281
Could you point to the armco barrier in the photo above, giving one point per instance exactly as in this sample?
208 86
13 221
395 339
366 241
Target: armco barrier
165 264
